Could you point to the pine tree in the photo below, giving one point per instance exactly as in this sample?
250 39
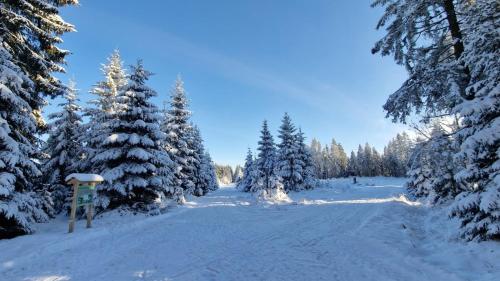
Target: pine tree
426 38
479 205
265 163
361 163
450 49
352 166
208 177
203 174
306 160
376 168
177 128
432 168
62 147
102 113
248 171
28 57
288 164
136 169
317 156
196 149
237 174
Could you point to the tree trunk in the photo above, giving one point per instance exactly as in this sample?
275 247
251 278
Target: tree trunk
458 44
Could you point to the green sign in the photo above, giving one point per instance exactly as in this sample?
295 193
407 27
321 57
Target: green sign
85 195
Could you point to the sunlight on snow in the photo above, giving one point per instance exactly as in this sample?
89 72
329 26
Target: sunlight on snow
50 278
401 199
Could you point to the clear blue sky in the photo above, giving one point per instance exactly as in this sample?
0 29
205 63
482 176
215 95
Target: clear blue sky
246 61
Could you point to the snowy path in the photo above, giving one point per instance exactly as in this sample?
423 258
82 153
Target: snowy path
343 232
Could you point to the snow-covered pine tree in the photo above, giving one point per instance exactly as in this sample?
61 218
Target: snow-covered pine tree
265 166
28 57
316 152
196 149
203 174
177 128
208 177
432 168
479 205
62 148
306 160
237 174
450 49
135 167
361 163
288 164
246 181
419 172
102 111
352 166
376 167
426 38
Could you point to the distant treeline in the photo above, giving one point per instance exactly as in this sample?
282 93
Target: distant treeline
331 161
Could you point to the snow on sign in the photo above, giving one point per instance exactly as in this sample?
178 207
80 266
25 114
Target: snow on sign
83 195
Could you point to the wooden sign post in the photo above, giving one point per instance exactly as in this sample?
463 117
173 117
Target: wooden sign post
83 195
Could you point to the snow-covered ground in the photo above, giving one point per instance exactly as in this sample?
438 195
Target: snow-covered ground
339 231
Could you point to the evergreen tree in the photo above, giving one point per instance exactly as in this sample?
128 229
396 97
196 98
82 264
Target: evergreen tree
28 57
203 175
367 161
306 160
246 182
361 163
432 168
196 149
266 163
317 155
136 169
102 113
237 174
479 205
450 50
376 167
208 177
288 163
62 147
177 127
352 166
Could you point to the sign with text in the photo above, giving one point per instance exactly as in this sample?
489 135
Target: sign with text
85 195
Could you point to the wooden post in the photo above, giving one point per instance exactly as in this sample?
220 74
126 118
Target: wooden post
89 210
73 207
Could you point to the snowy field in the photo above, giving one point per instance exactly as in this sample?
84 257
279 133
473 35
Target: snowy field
339 231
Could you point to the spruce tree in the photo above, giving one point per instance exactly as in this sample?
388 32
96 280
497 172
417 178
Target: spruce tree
208 177
265 166
317 158
450 50
246 182
352 166
237 174
288 164
62 148
177 128
102 112
203 174
28 58
479 205
306 160
135 167
432 168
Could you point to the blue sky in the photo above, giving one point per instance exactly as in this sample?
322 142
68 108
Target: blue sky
246 61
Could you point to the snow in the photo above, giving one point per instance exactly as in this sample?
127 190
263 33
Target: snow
338 231
84 177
